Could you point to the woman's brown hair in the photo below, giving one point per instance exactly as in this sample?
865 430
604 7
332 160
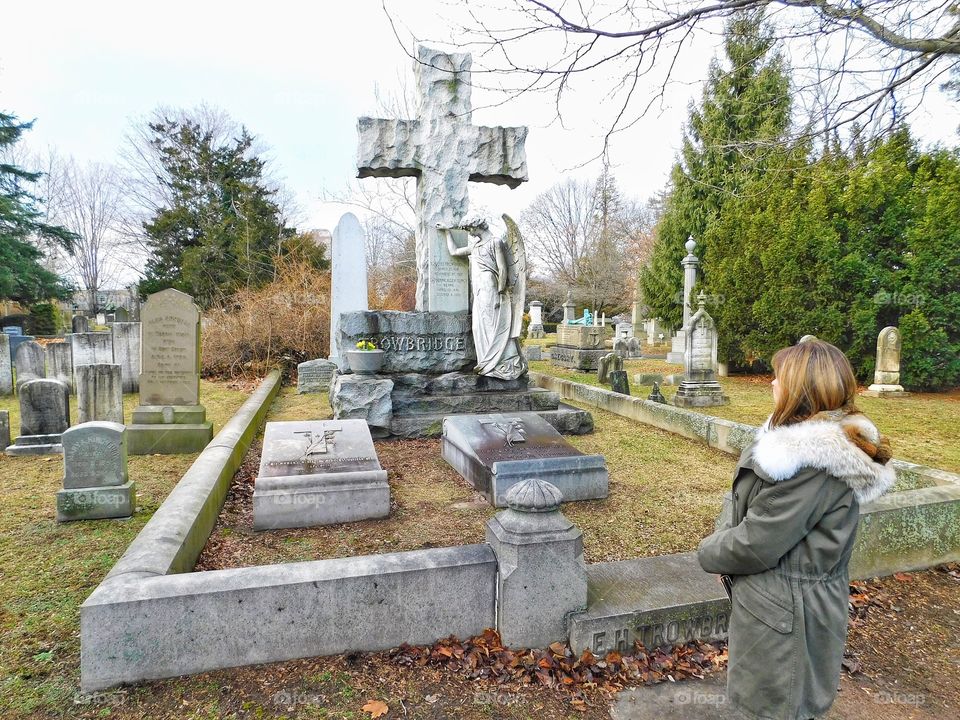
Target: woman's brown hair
813 376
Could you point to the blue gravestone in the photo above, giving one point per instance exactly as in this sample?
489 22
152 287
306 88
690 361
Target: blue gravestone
12 330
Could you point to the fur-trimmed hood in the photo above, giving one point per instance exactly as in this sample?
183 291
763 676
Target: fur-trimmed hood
845 445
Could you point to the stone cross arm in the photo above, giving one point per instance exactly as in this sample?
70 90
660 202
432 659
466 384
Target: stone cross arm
411 148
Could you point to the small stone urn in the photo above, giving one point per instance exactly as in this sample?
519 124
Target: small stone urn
365 362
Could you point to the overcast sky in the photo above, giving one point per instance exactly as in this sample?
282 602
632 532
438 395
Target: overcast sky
298 75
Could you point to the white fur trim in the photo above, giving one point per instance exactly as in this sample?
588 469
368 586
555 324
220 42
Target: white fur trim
821 444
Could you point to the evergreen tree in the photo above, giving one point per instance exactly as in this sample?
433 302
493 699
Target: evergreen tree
728 141
221 228
22 277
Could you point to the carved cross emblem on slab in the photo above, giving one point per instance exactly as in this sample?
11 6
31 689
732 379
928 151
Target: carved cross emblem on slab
318 443
512 429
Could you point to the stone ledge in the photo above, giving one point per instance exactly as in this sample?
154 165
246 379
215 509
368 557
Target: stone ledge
158 627
173 538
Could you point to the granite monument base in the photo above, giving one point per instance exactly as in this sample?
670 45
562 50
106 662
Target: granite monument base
494 452
96 503
168 430
700 394
885 391
413 404
577 358
318 473
36 445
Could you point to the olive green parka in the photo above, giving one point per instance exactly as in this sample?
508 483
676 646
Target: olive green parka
797 492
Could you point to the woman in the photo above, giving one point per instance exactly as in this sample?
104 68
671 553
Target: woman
797 492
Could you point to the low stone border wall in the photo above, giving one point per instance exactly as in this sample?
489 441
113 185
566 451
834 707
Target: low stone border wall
144 628
910 529
172 539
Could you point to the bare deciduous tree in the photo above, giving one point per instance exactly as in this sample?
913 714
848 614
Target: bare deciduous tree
89 204
863 61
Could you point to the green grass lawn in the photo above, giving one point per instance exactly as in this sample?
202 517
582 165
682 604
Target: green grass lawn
47 570
923 427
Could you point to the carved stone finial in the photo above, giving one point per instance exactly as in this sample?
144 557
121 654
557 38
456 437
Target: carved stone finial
534 496
702 300
690 245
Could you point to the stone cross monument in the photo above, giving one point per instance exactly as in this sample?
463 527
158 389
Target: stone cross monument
444 151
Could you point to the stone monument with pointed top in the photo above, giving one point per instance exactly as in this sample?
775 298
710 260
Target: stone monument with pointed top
700 387
348 278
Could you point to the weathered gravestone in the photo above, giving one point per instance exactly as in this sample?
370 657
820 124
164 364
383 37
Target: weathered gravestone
886 377
99 393
44 417
126 354
93 348
121 315
535 328
619 382
60 362
608 364
95 481
313 376
623 331
318 473
29 362
533 352
4 429
6 366
348 279
495 452
700 387
444 152
655 394
80 324
170 419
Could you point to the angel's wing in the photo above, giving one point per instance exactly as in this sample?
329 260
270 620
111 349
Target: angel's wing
517 278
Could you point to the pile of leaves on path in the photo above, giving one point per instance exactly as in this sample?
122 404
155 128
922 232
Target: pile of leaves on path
485 657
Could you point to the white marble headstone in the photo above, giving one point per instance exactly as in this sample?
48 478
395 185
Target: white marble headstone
348 285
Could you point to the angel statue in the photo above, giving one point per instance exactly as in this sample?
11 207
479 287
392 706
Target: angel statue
498 282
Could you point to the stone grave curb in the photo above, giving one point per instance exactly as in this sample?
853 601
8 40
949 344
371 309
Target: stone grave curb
172 539
911 529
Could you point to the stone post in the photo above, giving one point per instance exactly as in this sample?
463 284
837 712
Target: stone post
535 330
690 264
569 310
6 366
542 578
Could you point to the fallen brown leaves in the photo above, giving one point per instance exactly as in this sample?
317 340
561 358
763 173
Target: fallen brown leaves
484 657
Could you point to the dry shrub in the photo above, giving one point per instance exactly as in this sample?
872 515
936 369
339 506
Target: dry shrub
278 325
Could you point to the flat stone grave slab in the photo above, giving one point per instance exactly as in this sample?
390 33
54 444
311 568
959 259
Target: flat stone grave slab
318 472
494 452
662 600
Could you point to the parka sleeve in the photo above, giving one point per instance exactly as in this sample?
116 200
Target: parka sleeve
780 516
